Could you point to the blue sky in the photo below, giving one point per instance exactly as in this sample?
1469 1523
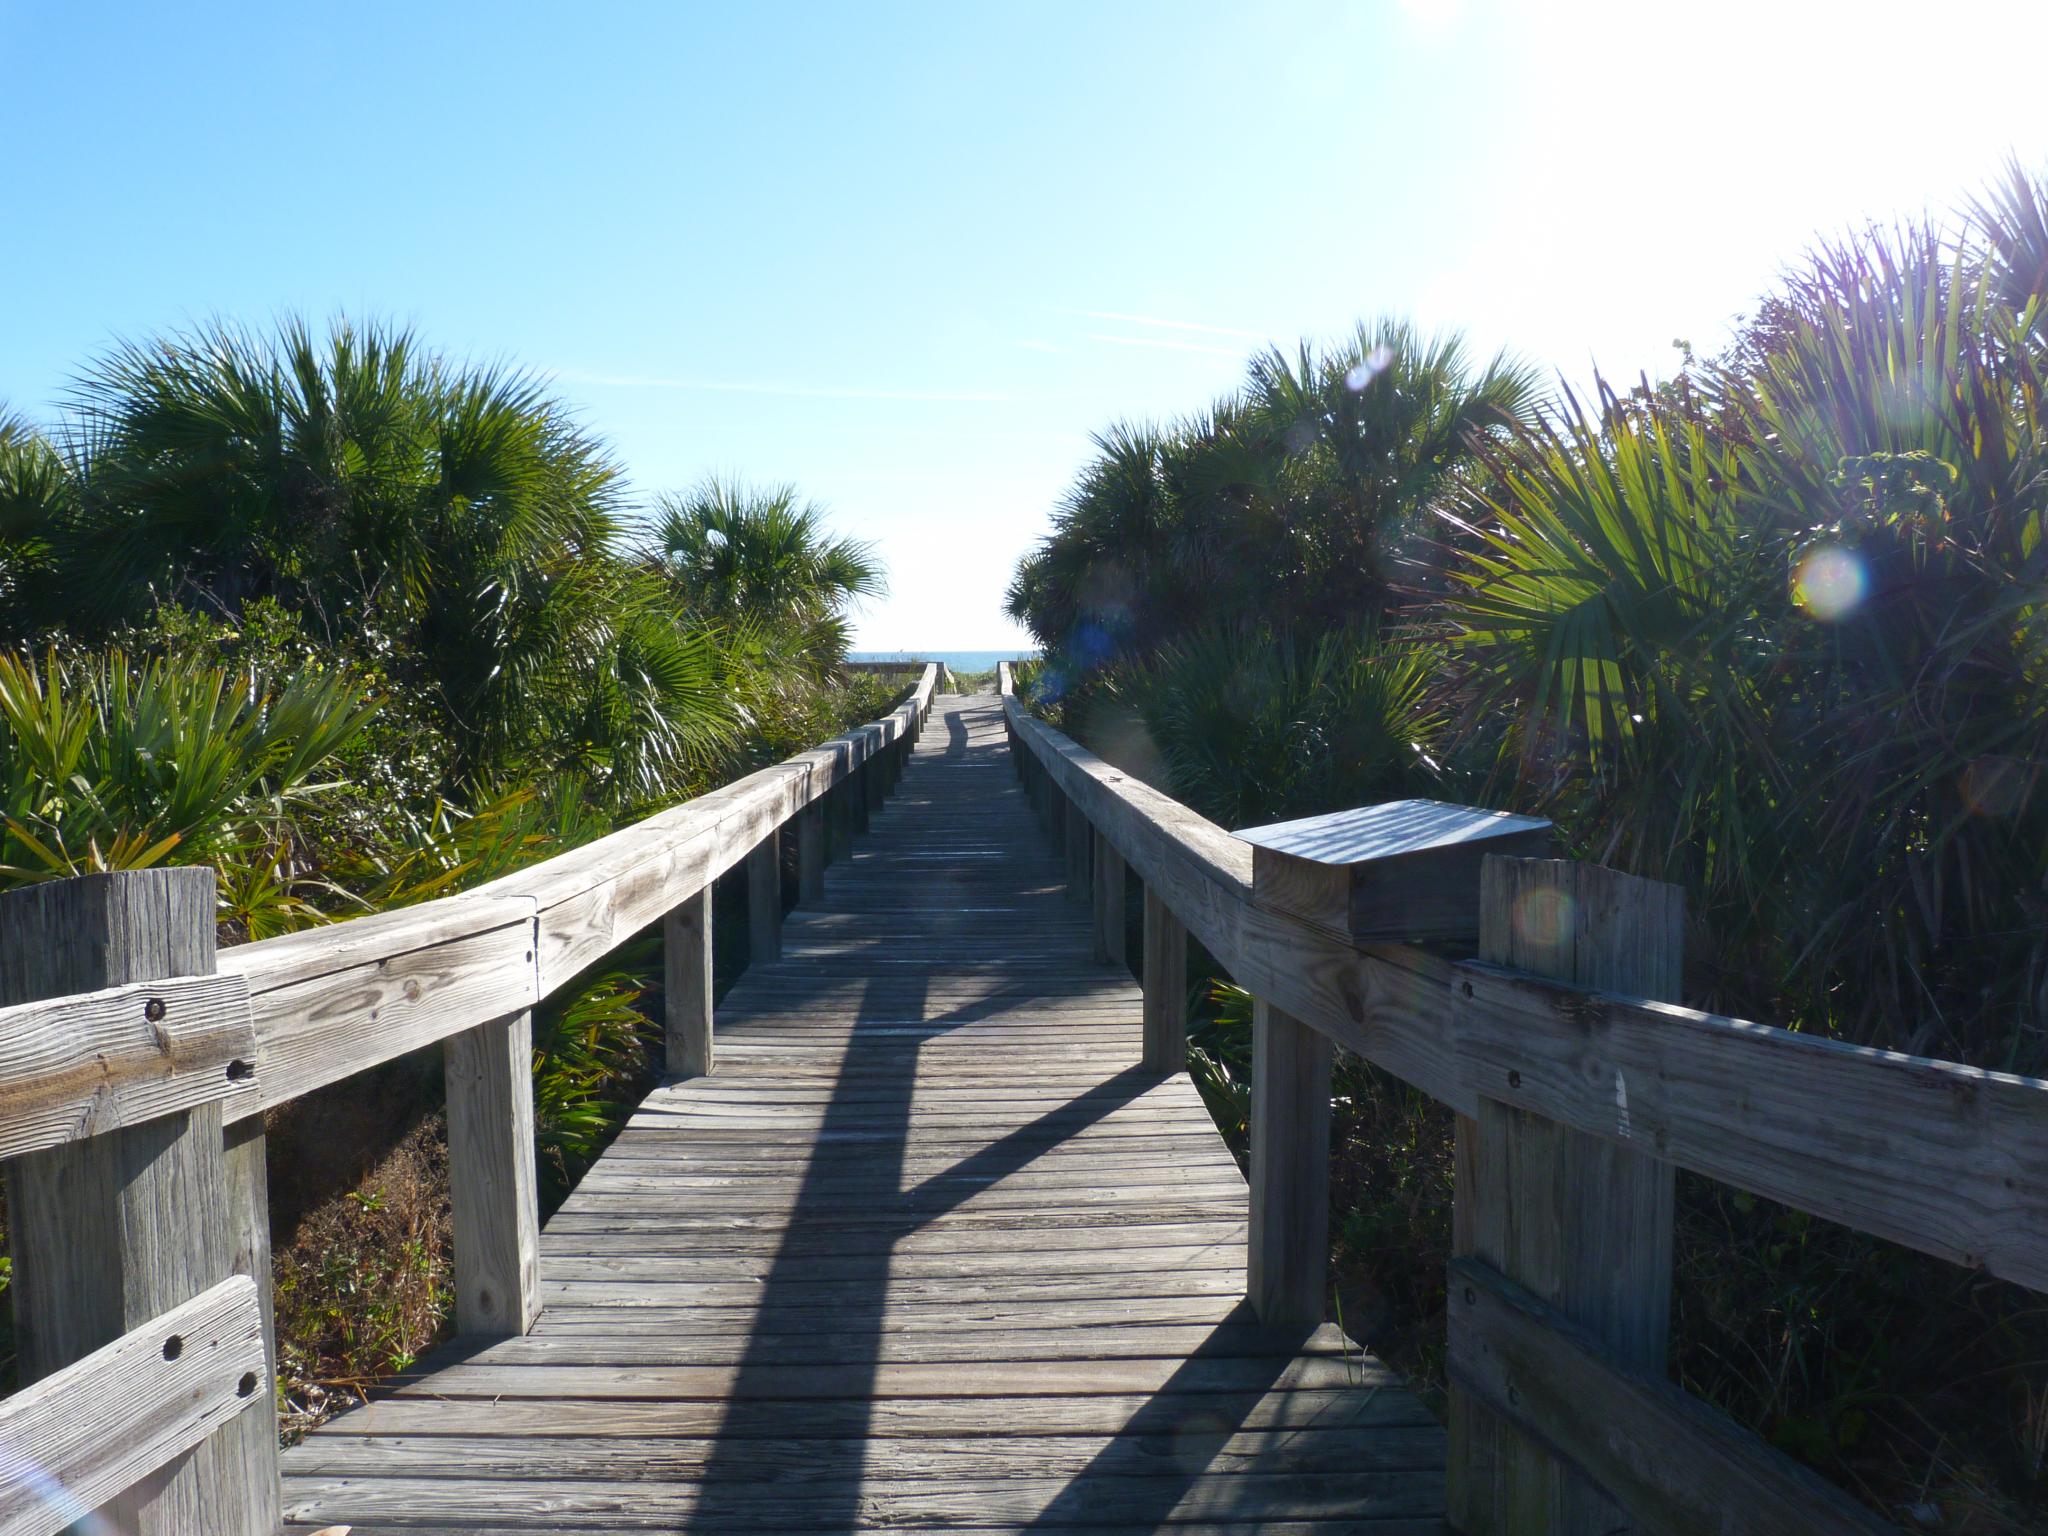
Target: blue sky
910 256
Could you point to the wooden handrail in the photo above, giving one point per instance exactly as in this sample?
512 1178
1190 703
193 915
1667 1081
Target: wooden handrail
1938 1156
1811 1122
329 1002
174 1069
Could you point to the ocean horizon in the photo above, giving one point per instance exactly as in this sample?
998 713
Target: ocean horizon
959 661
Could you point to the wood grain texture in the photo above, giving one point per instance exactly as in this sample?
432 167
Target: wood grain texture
764 901
493 1190
689 1041
73 1441
325 1012
1166 987
1111 946
930 1250
248 1441
107 1234
1584 1224
1289 1239
88 1063
810 852
1807 1121
1675 1464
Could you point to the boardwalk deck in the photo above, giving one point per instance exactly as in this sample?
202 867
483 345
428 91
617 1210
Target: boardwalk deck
927 1252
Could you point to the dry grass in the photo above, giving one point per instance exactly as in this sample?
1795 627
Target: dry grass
363 1284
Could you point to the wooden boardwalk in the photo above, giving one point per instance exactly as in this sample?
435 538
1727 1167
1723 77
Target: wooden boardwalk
926 1252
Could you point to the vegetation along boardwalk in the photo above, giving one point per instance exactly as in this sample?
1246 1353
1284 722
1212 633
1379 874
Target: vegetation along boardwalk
929 1248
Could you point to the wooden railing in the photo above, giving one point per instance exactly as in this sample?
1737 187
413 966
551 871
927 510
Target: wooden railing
1579 1086
136 1064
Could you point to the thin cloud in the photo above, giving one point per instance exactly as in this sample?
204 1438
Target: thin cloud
1168 325
1169 346
798 391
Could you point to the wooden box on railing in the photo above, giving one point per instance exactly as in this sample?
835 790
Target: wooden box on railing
1403 870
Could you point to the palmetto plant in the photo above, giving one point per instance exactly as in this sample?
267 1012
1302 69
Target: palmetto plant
452 523
1250 725
111 764
1300 499
1776 633
738 555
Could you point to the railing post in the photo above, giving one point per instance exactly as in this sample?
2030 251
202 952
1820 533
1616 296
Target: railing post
810 852
110 1232
839 806
1288 1259
252 1439
1111 947
1077 836
686 986
764 900
1166 987
875 779
493 1189
1584 1223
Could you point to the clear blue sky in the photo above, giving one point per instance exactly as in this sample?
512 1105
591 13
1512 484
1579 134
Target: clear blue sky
910 256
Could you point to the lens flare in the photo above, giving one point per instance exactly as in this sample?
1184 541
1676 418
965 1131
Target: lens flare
1829 583
1375 364
1542 918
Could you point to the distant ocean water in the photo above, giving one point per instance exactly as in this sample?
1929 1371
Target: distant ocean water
959 661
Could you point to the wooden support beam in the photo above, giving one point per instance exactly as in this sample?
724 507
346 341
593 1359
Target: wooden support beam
109 1233
764 901
875 778
810 853
249 1439
1582 1223
1289 1252
493 1190
1111 946
686 986
1079 835
1166 987
860 795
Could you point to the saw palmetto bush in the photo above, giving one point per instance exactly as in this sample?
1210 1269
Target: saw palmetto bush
764 562
451 525
1301 501
1251 725
110 763
1775 634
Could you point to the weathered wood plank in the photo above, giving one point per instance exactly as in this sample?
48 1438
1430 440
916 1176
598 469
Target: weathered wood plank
1585 1224
1166 987
89 1063
109 1233
1110 943
686 949
1289 1239
493 1184
1808 1121
81 1435
1673 1463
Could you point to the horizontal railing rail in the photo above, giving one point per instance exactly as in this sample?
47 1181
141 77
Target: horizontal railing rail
136 1064
1561 1412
